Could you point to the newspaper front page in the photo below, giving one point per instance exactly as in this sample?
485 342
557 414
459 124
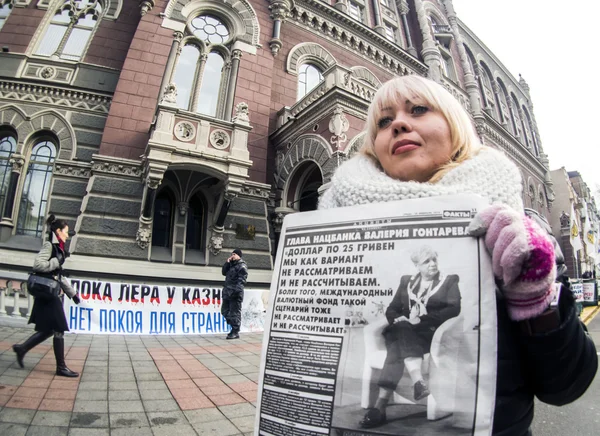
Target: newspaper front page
392 301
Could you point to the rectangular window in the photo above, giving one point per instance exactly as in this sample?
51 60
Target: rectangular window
386 3
51 40
76 44
4 13
390 32
448 67
355 10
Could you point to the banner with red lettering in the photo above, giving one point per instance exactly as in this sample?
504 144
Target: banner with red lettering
147 309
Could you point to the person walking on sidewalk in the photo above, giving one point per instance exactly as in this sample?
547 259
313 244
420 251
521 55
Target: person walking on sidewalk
235 271
48 315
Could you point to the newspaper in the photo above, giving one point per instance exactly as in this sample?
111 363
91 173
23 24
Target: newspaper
389 307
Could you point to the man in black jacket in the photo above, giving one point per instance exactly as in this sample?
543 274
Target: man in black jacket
235 271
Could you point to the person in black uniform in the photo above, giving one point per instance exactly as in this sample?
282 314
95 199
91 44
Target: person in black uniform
48 314
235 271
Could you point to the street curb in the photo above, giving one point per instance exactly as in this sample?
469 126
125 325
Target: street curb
590 316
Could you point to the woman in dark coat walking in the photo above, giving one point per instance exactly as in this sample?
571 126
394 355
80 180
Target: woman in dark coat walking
48 314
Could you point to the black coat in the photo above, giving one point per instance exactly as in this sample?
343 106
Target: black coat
556 367
49 315
442 305
236 274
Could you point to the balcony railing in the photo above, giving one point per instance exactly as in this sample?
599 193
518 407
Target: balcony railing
441 29
335 77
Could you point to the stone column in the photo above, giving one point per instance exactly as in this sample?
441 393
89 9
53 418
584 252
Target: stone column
470 82
341 5
233 74
7 221
196 90
144 233
17 163
379 28
170 68
280 10
404 9
431 54
215 245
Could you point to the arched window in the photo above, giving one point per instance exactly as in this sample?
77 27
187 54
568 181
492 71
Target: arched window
503 98
516 112
448 64
486 79
529 132
211 85
34 198
185 73
201 70
309 77
5 8
196 224
541 198
68 34
163 219
8 145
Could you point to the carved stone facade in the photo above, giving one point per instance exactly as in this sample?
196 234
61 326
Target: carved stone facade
130 153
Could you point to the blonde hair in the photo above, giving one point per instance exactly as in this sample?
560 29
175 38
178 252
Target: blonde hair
423 253
464 141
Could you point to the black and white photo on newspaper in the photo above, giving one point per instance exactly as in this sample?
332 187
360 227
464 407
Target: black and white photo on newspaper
380 321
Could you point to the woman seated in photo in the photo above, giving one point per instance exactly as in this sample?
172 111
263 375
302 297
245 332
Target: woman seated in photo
422 303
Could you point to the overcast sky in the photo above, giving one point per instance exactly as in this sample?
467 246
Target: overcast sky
554 46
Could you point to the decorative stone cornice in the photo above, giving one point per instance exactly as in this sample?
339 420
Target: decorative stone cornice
54 96
343 30
76 169
255 189
116 166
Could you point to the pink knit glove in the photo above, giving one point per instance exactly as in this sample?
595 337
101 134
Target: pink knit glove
522 259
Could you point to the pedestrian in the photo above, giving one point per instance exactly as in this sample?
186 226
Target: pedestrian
235 271
420 142
48 314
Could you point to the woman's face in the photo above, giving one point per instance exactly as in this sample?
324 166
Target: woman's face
63 234
412 142
428 267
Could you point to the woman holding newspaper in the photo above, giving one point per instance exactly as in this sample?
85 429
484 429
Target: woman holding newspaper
420 142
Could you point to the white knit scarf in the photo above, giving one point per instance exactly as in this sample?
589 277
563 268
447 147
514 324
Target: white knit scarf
490 174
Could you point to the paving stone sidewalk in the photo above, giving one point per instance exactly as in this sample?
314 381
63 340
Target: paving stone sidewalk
131 386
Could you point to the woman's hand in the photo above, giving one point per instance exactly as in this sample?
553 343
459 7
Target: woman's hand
400 319
522 258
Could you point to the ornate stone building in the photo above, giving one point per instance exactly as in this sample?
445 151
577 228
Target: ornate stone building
169 132
573 196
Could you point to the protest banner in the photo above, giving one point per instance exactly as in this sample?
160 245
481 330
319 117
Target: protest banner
577 288
589 292
149 309
342 278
